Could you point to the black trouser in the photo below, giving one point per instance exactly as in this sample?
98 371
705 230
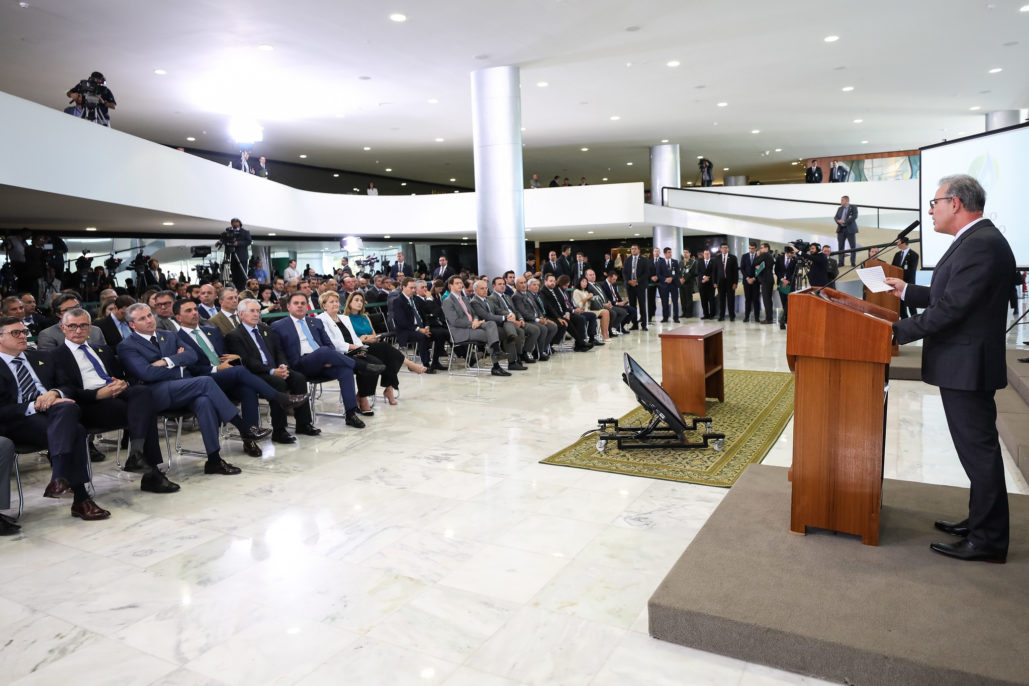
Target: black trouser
972 419
766 298
752 299
59 429
841 241
686 296
651 299
577 327
132 409
726 300
707 299
668 293
392 358
638 299
297 385
365 379
438 339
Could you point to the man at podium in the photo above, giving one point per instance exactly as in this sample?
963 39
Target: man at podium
964 354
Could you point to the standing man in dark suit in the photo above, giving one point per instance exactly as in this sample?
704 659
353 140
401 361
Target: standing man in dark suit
813 173
552 265
751 287
153 277
907 259
837 173
705 271
636 274
669 275
609 265
846 228
564 262
579 267
687 283
652 286
400 268
727 276
443 271
764 269
964 354
34 410
785 270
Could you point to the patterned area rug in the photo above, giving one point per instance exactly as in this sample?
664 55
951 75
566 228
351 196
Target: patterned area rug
757 407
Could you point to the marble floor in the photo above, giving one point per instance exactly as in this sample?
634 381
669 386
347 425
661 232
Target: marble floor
429 548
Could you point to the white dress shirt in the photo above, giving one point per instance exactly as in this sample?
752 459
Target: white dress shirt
305 344
90 379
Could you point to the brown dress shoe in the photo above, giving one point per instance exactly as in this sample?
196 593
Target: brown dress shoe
89 511
56 488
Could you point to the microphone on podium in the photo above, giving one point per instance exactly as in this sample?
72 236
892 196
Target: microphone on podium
902 235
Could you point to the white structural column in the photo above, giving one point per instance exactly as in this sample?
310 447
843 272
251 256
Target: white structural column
664 172
998 119
497 142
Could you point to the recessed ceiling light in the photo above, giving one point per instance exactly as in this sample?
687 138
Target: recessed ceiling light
388 169
335 176
272 233
303 157
439 140
265 47
723 104
1024 8
636 234
23 4
864 142
357 190
831 39
858 121
689 183
604 179
452 180
433 101
794 163
700 157
725 169
672 63
755 131
628 64
542 84
523 129
664 140
847 89
403 183
386 236
464 238
367 148
996 70
615 117
589 232
90 228
398 17
160 72
778 149
584 149
975 108
628 164
190 138
167 223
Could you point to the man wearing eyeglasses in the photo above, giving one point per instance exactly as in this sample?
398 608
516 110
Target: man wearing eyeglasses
33 410
53 336
964 354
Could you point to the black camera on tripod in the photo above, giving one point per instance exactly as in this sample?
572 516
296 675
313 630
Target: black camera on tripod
83 262
140 263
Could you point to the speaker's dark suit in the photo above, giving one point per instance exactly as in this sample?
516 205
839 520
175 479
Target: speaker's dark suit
637 295
174 387
964 354
238 382
313 365
59 428
669 291
133 408
909 263
240 341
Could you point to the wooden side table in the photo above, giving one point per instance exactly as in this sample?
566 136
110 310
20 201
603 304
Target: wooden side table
691 366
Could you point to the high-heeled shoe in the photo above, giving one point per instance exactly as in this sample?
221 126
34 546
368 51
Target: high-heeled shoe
366 413
389 395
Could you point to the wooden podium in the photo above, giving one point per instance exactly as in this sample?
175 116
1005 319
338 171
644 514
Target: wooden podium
839 347
885 300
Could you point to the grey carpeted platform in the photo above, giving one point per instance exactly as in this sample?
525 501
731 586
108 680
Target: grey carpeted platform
828 606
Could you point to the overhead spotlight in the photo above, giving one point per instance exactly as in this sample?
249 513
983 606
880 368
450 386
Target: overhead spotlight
398 17
604 179
403 183
778 149
336 175
996 70
388 169
723 104
160 72
190 138
847 89
453 180
672 63
584 149
542 84
975 108
272 233
367 148
265 47
432 101
725 169
794 163
858 121
700 157
615 117
664 140
303 157
387 236
831 39
756 131
628 164
90 228
439 140
589 232
864 142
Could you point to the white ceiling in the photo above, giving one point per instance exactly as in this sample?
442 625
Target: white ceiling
916 68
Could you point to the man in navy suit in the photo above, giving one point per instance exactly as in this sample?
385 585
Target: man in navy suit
906 259
963 327
610 287
400 268
237 381
158 359
410 326
95 377
751 287
309 350
636 274
668 274
443 271
34 410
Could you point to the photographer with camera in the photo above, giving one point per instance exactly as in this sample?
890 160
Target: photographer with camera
93 100
236 241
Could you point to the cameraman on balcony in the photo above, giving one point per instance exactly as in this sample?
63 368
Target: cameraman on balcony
93 100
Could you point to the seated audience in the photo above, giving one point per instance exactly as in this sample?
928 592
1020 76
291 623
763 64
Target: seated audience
430 307
529 305
512 338
115 327
410 327
163 301
564 283
501 301
559 309
466 328
617 315
267 300
226 319
585 299
53 336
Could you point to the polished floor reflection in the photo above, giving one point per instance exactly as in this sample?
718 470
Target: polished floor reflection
430 548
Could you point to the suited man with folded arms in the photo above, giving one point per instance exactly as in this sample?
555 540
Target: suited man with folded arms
214 360
529 306
410 326
309 350
34 410
156 358
259 350
512 338
95 378
963 353
636 275
464 327
906 259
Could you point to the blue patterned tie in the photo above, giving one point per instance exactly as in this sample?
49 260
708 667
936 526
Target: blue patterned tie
307 333
265 355
96 364
26 385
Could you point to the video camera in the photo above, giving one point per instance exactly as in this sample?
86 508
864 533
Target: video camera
802 255
140 263
112 263
368 261
83 262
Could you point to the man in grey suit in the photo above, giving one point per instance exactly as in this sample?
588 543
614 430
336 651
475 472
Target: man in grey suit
963 353
530 307
502 302
512 338
465 328
53 336
846 228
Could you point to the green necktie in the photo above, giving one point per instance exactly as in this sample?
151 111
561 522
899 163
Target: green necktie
202 342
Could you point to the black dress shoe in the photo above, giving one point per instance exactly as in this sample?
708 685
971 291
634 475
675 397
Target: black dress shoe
517 366
970 552
89 511
953 528
430 370
308 430
135 463
56 488
94 454
676 321
440 367
499 371
354 421
9 528
1023 359
664 321
255 434
220 466
543 358
746 320
283 437
288 401
155 481
782 326
644 328
251 448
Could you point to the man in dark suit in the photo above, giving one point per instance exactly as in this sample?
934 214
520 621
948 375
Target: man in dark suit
837 173
579 268
907 259
813 173
208 305
529 305
409 325
553 265
400 268
238 382
113 326
764 270
705 271
751 287
846 228
610 288
818 272
258 349
963 352
785 270
558 310
236 240
652 287
96 379
617 314
565 261
727 276
443 271
33 409
153 277
636 275
609 266
309 350
512 338
669 275
156 358
430 308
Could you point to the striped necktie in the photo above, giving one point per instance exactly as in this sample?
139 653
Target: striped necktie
26 386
